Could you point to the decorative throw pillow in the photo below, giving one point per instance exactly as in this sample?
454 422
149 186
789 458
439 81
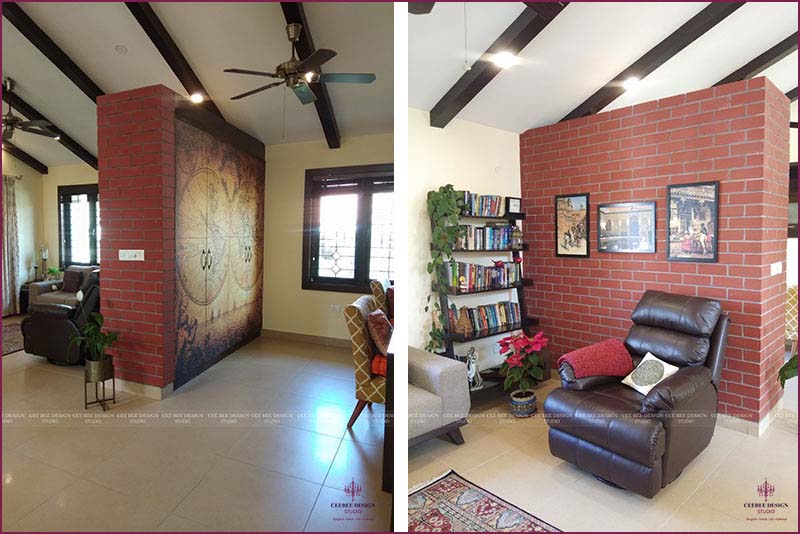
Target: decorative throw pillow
72 281
390 301
648 374
380 330
378 365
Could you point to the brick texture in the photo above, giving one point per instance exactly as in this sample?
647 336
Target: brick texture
136 160
736 134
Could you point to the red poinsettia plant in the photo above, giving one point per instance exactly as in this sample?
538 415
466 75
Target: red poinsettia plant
522 365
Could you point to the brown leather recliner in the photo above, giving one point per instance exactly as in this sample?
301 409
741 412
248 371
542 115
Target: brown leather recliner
643 442
49 327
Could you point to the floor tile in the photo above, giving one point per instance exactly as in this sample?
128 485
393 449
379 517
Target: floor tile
240 497
319 416
174 523
374 514
27 483
356 462
369 427
324 388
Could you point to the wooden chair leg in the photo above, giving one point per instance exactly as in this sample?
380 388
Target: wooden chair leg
455 436
356 412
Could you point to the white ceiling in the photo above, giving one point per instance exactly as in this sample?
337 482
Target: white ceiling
587 45
212 36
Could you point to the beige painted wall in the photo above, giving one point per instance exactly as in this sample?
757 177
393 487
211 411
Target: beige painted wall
287 307
470 156
77 174
28 192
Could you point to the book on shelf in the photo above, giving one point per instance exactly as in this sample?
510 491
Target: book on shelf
498 316
489 237
469 277
483 205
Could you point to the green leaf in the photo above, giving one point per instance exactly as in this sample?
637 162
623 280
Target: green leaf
789 370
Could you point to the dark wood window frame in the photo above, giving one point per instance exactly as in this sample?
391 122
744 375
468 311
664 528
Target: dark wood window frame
362 179
91 190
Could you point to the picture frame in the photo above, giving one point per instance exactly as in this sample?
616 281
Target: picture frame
693 222
627 227
572 225
513 205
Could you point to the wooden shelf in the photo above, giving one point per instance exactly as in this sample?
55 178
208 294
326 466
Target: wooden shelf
508 217
455 292
524 247
481 334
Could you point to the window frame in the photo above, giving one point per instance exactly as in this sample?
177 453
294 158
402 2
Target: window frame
365 178
92 191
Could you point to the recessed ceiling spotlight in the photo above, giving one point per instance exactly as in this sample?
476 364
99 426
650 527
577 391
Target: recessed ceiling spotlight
197 98
121 49
630 83
504 59
57 138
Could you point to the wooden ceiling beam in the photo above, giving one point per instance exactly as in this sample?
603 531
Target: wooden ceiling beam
695 27
420 8
24 157
166 46
513 40
293 12
30 113
38 38
792 95
762 61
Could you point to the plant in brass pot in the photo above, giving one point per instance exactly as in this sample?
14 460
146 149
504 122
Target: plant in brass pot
523 367
94 344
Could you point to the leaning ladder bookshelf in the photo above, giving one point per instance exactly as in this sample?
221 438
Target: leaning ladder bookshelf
491 377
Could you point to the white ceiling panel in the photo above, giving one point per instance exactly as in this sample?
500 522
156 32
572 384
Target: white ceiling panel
576 54
88 33
51 93
743 35
436 44
783 73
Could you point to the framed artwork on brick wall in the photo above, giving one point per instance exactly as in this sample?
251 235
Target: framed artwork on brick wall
626 227
572 225
692 222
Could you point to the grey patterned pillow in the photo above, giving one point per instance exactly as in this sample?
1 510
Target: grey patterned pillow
648 374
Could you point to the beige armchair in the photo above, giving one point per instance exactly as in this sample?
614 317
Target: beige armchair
369 388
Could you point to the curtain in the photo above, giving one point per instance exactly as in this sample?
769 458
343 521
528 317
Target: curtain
10 248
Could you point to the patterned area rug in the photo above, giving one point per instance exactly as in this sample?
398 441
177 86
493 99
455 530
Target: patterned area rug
12 337
453 504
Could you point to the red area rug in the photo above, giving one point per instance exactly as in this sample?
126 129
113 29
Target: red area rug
454 504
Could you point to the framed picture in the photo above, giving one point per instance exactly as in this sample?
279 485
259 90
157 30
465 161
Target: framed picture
513 205
626 227
572 225
692 229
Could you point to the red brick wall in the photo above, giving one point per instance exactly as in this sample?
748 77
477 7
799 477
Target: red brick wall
136 160
737 134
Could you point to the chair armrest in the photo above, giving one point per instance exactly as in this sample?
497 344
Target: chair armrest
52 311
39 288
444 377
677 389
568 380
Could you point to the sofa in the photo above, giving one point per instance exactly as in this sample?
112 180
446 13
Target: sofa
438 397
51 291
48 328
643 442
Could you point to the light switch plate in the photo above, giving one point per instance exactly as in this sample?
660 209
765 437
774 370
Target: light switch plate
776 268
131 255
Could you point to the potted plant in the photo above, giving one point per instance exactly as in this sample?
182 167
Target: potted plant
94 343
53 273
522 368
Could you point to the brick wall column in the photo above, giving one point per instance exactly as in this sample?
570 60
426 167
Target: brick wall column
136 167
736 134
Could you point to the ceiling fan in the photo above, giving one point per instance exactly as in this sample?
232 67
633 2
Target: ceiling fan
297 75
11 122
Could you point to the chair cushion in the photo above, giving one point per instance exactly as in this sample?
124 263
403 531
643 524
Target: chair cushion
424 411
378 365
58 297
608 416
72 281
390 302
671 346
648 374
380 330
695 316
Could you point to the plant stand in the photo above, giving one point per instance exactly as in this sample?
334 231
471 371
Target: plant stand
98 373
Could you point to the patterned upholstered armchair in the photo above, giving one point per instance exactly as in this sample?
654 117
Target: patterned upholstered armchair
379 288
369 388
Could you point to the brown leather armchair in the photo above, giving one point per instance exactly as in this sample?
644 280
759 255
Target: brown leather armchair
48 328
643 442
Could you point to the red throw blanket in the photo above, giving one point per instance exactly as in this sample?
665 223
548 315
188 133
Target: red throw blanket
609 358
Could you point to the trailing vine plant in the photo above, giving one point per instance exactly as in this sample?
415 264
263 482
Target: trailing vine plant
444 208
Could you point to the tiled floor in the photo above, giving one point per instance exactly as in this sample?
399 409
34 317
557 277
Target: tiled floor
256 443
510 458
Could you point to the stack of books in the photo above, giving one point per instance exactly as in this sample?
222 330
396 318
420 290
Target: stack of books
499 317
489 237
483 205
469 277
